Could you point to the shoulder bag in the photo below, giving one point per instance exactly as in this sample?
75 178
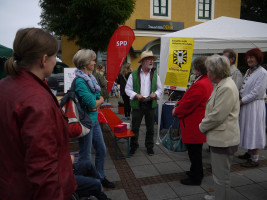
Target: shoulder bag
173 139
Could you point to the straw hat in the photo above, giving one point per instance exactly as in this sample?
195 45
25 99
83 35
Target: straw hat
146 54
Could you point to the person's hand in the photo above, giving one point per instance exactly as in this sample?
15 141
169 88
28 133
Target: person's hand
101 99
153 96
72 159
173 112
241 103
139 97
92 109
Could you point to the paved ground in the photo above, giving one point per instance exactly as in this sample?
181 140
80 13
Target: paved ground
158 177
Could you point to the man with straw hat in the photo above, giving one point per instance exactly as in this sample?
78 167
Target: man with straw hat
144 88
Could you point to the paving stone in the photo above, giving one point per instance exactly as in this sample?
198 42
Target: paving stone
145 171
158 191
194 197
117 194
156 149
112 175
238 179
207 184
185 165
138 153
252 192
237 196
159 158
264 169
185 190
178 156
264 185
138 160
255 175
168 168
109 164
263 155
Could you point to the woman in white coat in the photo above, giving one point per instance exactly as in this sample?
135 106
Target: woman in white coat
220 124
252 111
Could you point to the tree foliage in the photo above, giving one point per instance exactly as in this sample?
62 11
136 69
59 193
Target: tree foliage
90 23
254 10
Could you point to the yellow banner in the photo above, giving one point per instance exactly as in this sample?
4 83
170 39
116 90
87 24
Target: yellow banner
179 62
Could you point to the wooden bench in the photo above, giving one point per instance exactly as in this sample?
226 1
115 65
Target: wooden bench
113 120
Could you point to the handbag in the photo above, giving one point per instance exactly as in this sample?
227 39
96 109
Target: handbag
173 141
79 121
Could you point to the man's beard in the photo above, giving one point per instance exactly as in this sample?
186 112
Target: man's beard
150 66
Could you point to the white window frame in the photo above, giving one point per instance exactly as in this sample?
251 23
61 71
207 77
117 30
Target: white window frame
211 12
152 16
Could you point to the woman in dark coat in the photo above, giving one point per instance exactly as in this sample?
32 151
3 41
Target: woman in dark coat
191 111
122 80
34 141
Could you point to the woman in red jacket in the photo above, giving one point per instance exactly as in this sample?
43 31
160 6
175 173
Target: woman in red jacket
191 111
34 142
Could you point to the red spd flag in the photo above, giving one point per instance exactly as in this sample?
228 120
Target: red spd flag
118 48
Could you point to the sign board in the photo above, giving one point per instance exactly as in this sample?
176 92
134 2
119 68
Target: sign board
69 75
179 63
159 25
118 48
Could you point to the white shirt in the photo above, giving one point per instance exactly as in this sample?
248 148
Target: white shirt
145 86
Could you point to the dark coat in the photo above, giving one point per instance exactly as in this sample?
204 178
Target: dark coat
122 82
34 142
191 110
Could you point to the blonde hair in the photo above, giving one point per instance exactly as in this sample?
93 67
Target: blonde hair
29 45
219 66
83 58
126 68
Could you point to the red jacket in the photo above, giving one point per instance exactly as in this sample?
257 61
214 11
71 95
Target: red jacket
191 110
34 143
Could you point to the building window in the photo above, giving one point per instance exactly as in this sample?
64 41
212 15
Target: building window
204 9
160 7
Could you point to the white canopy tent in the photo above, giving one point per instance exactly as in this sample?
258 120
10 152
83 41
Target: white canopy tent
213 37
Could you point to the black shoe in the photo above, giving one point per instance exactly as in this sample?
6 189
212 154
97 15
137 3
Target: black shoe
190 174
250 164
189 181
150 151
245 156
132 150
102 196
107 184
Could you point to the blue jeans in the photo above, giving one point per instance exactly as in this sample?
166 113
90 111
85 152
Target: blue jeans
94 137
87 179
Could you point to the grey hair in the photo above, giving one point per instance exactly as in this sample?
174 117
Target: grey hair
218 66
83 58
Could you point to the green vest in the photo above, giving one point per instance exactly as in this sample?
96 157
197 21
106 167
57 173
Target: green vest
136 88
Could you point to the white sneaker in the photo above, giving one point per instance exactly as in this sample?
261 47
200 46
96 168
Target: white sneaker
209 197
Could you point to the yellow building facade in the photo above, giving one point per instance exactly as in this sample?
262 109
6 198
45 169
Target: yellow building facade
153 18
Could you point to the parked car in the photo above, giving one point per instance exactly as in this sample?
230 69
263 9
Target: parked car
56 80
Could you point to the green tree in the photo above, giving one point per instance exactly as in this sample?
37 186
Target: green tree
254 10
90 23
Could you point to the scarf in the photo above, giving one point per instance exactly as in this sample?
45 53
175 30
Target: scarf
252 69
90 80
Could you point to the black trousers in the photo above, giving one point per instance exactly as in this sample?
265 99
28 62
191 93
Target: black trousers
127 107
195 156
137 116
